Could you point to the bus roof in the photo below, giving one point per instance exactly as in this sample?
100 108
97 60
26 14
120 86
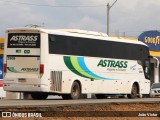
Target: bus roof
75 32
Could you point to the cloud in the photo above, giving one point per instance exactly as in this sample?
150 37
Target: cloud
134 17
18 15
127 16
88 23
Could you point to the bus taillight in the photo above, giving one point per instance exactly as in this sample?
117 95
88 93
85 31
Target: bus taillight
41 68
5 68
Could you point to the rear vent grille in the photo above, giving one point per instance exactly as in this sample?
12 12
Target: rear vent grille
56 83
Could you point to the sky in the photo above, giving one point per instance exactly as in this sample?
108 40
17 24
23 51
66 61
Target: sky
127 17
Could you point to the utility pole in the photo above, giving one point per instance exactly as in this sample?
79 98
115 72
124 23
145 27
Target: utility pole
108 9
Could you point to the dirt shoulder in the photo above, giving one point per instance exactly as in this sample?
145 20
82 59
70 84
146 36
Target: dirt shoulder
125 111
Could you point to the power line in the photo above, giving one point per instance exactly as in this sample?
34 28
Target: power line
40 5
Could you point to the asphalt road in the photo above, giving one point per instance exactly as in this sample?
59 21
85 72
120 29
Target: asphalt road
60 102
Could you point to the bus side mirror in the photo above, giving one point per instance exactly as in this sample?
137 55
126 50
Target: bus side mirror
147 64
147 69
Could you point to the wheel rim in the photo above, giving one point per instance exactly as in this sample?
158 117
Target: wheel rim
75 91
134 90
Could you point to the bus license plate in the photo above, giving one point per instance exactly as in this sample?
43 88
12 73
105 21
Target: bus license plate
21 80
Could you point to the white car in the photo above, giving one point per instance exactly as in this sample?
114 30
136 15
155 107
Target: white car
155 90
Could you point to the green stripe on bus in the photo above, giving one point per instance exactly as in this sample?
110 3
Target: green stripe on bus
12 69
68 63
75 64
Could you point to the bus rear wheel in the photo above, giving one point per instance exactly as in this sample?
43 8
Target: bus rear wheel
75 92
134 91
39 96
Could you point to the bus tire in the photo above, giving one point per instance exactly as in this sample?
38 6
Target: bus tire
75 91
99 96
134 91
39 96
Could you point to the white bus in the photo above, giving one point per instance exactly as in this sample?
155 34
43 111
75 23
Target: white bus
72 62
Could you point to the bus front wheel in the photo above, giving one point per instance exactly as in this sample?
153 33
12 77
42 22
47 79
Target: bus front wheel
39 96
134 91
